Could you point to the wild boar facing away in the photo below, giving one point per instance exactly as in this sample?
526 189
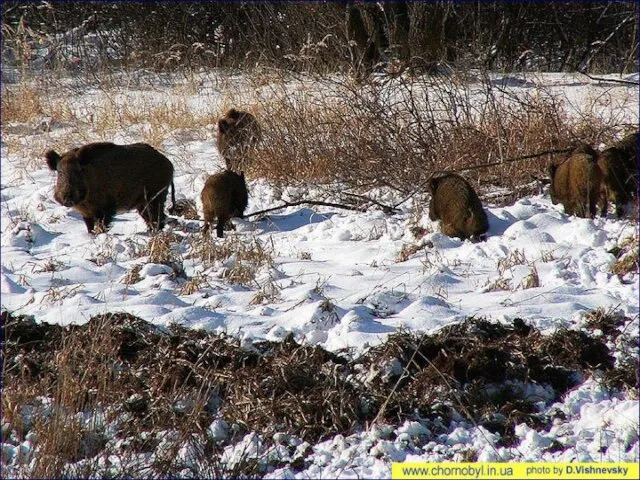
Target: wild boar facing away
99 180
224 196
576 183
455 203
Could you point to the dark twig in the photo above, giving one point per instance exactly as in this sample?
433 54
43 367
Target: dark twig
553 151
600 79
385 208
421 186
305 202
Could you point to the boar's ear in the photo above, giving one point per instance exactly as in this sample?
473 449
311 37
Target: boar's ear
223 125
242 175
52 158
433 184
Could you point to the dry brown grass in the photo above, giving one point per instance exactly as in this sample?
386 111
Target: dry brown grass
163 249
194 284
157 121
20 104
39 107
392 133
407 250
532 280
626 257
132 276
243 258
396 135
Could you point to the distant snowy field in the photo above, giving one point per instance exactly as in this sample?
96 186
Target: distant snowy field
350 259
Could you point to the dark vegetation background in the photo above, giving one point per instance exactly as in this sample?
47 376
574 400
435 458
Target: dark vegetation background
356 37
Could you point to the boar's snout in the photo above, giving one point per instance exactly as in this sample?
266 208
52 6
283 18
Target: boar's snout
70 197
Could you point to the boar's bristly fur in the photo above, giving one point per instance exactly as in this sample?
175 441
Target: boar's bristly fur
455 203
99 180
576 183
224 196
238 134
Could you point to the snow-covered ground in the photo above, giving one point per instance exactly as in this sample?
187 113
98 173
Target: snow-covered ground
53 269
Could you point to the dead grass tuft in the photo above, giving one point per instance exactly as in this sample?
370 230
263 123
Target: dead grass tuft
21 105
626 257
241 260
407 250
185 207
608 321
532 280
132 276
161 249
194 285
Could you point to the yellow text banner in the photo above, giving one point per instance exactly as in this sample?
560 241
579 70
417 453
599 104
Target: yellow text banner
516 471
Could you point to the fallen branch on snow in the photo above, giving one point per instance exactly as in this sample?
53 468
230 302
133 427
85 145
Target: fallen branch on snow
305 202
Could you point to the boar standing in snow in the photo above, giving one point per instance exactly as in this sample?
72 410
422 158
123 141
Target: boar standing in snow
455 203
618 165
224 196
238 135
576 182
99 180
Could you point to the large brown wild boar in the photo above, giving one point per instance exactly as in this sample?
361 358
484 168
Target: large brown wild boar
99 180
224 196
238 134
455 203
576 183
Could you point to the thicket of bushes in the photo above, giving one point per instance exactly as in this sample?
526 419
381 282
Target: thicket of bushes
358 37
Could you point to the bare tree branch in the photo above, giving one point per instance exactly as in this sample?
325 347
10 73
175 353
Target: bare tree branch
421 186
613 80
306 202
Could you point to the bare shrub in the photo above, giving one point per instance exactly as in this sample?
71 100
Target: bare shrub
396 132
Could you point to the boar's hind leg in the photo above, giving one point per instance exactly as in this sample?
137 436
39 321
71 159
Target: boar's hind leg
90 222
593 207
153 211
103 219
222 219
